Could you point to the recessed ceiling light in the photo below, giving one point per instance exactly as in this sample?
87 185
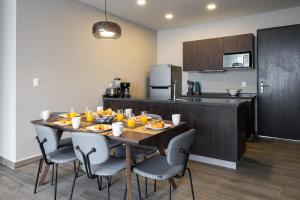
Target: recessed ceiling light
169 16
211 6
141 2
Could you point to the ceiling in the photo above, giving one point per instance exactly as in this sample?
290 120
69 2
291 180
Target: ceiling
186 12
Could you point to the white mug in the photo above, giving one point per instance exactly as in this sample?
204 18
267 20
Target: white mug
117 128
128 112
99 108
45 115
176 119
76 122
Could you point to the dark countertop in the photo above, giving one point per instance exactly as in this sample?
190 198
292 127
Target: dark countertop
247 96
202 101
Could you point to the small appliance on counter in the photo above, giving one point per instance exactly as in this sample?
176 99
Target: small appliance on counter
114 89
197 88
125 90
165 81
191 90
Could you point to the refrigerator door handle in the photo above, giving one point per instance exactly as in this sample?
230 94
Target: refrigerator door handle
160 87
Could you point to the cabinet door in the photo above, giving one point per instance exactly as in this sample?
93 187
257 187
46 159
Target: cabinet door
190 61
239 43
210 54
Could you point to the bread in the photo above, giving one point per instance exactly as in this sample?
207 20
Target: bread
159 124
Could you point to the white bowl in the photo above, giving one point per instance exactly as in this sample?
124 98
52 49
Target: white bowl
233 92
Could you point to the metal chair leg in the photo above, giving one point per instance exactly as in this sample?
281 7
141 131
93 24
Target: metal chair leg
55 183
154 185
139 188
191 183
75 176
108 185
146 188
99 183
78 169
74 163
170 190
125 192
38 174
52 178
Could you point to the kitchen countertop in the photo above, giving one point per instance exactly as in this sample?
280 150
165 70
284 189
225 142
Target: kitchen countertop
223 96
188 100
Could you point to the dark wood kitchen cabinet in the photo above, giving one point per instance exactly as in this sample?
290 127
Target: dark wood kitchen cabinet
238 43
210 54
207 55
190 60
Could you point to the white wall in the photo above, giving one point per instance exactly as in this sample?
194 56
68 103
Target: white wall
8 79
169 44
55 44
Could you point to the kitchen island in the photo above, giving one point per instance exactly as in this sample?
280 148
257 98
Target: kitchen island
221 124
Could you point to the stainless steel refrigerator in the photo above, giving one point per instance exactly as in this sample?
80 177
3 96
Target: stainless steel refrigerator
162 79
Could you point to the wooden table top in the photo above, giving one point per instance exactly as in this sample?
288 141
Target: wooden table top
136 135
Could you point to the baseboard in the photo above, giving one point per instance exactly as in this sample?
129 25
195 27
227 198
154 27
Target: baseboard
20 163
279 139
213 161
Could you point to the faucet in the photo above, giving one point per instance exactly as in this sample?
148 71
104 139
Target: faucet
174 91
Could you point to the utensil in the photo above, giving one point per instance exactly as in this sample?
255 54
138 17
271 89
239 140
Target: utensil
176 119
117 128
45 114
76 122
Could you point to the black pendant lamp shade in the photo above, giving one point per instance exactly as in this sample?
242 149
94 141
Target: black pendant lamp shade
106 29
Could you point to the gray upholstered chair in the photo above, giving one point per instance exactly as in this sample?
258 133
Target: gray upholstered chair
139 151
51 154
64 141
173 165
93 152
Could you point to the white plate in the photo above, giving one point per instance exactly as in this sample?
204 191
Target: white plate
60 123
137 118
92 128
66 115
158 129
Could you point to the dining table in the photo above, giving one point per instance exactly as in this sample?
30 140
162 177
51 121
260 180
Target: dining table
136 135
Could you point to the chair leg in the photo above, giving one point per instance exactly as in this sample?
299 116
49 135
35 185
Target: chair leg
78 169
139 188
170 190
125 192
191 183
108 183
99 183
52 178
75 176
146 188
38 174
55 183
154 185
74 163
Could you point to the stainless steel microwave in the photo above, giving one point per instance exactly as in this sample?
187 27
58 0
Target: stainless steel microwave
237 60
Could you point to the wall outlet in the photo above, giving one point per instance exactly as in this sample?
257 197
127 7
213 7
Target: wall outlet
36 82
244 84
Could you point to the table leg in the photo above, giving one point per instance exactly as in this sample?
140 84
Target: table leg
128 172
46 166
162 152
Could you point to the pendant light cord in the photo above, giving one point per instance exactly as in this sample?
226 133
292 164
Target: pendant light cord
105 11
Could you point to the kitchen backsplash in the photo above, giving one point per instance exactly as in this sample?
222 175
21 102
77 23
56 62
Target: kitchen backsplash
219 82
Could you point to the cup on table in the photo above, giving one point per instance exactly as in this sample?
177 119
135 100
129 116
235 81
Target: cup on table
117 128
128 112
144 117
76 122
45 114
131 121
120 114
176 119
99 108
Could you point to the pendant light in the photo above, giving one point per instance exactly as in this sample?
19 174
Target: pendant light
106 29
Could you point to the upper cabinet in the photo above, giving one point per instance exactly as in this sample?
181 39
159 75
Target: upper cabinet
238 43
207 55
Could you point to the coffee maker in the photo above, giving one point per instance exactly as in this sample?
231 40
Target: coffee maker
125 90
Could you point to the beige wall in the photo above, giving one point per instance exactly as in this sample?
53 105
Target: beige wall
8 80
55 44
169 46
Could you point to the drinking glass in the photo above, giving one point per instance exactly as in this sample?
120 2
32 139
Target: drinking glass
120 115
144 117
131 121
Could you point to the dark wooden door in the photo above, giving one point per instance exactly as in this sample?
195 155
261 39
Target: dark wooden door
279 72
239 43
210 54
190 56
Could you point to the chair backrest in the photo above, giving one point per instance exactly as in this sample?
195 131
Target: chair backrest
180 143
56 114
48 134
154 116
86 143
